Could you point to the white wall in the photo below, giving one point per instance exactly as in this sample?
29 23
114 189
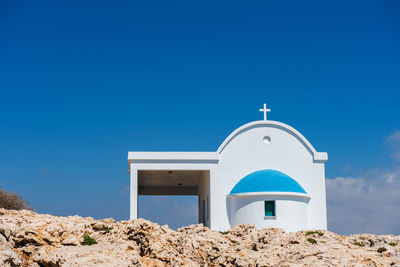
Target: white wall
246 152
291 212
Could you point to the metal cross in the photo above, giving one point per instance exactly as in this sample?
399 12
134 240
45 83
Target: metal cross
265 110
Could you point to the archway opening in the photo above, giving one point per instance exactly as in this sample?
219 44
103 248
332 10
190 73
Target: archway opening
174 197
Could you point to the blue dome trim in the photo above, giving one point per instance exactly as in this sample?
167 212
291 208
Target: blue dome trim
267 181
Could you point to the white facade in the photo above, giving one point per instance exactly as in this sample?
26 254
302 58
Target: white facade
259 145
291 212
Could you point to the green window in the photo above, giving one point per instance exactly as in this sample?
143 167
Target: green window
269 207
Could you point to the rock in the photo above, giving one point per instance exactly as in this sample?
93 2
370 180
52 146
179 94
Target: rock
71 240
96 255
8 257
30 239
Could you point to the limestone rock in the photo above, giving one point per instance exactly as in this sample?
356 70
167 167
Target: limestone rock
8 257
30 239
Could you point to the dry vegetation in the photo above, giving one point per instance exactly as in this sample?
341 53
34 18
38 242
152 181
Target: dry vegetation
11 201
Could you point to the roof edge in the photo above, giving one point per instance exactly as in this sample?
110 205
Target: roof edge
317 156
172 156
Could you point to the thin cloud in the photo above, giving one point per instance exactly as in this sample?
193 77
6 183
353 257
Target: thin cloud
365 204
393 141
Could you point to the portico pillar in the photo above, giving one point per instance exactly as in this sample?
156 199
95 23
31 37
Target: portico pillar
134 193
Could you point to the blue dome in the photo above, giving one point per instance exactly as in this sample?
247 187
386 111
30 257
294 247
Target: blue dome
267 181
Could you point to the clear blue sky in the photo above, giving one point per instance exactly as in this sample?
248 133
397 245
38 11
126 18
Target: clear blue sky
82 83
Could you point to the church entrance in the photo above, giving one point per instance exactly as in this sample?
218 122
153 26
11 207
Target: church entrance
180 197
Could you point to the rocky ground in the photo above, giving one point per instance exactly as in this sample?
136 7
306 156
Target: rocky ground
31 239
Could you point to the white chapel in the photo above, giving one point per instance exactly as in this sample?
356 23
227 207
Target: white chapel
265 173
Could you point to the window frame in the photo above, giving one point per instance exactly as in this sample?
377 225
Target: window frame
273 211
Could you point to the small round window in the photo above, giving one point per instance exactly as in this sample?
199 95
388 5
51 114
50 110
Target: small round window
267 139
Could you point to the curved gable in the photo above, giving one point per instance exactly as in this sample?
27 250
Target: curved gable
317 156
